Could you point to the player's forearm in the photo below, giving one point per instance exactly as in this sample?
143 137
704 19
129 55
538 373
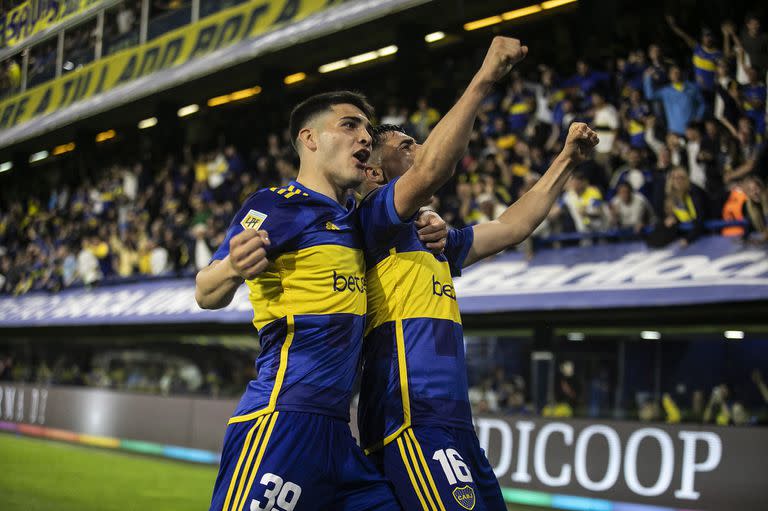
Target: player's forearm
215 285
523 217
531 209
442 150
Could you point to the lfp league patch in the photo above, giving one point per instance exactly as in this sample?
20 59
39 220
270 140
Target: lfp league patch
253 219
465 496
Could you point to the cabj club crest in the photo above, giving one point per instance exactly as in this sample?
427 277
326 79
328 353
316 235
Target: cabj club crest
465 496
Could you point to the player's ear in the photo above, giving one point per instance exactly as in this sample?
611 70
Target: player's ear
375 175
308 138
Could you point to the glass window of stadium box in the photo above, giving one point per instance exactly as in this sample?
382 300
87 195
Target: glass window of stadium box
167 15
122 26
215 366
79 46
695 375
499 372
10 76
208 7
42 62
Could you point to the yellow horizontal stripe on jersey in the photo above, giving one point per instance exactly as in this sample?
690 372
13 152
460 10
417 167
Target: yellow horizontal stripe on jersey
408 285
520 108
635 128
704 64
324 279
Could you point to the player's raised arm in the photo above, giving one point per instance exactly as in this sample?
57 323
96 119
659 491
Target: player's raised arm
521 218
436 161
216 284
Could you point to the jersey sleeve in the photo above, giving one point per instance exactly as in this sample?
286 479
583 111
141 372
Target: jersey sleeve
378 216
261 212
457 247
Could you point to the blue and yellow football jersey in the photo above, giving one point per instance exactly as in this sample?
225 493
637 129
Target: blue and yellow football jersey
309 304
413 355
705 66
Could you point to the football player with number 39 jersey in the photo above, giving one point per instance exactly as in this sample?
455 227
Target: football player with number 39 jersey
298 248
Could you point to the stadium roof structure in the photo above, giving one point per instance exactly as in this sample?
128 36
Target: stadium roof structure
320 24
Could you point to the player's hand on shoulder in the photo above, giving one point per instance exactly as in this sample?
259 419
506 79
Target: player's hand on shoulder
248 253
579 142
502 56
433 231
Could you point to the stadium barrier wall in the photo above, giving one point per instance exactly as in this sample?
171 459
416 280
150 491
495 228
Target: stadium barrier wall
573 464
711 270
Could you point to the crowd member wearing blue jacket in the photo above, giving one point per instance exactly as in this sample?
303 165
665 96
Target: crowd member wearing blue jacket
682 100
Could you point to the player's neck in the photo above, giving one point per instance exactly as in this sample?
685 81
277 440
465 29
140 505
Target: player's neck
367 187
317 182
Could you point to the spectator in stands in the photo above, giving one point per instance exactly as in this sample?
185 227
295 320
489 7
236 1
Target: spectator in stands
519 104
605 121
634 114
630 209
717 409
705 57
88 265
682 100
749 152
584 204
756 208
423 119
755 43
158 258
757 378
633 172
202 252
6 368
683 204
5 266
672 412
586 80
126 19
754 98
567 389
395 115
483 398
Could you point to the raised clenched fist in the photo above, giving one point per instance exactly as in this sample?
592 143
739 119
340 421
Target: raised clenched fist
248 253
502 56
579 142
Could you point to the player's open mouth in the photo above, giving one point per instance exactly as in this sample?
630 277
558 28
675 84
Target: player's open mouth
362 157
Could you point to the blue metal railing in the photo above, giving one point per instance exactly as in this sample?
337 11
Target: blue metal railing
710 226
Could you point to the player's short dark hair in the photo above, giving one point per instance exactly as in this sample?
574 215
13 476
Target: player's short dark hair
318 103
382 130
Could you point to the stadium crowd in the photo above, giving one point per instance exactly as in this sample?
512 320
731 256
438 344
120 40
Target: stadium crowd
681 143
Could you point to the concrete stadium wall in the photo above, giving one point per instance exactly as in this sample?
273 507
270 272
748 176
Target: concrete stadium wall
685 466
